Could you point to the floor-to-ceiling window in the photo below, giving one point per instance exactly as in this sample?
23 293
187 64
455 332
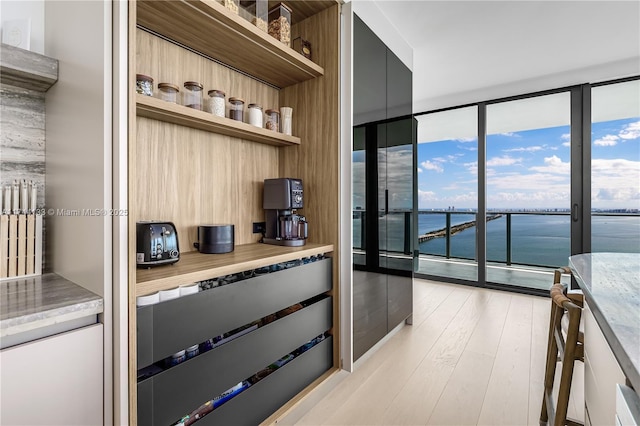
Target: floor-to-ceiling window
528 175
448 193
556 173
615 167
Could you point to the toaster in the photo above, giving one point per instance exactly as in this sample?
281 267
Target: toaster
156 243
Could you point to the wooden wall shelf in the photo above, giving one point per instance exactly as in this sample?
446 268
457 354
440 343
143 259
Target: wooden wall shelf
26 69
194 266
209 28
157 109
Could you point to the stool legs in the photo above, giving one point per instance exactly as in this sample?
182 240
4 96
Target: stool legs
569 349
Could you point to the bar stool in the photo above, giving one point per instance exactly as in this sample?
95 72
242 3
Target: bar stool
566 344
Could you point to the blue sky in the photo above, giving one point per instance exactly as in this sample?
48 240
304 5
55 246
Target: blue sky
531 169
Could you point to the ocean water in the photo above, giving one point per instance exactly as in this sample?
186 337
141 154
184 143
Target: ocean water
535 239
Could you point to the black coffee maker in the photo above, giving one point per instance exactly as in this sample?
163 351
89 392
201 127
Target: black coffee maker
284 227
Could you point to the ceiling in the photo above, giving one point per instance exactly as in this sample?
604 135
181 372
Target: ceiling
468 51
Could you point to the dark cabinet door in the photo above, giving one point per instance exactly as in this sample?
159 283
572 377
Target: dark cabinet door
369 310
369 75
400 218
399 87
383 184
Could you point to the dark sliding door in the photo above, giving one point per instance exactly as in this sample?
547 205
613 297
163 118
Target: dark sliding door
384 142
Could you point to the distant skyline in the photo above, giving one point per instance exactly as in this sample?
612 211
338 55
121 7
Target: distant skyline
531 169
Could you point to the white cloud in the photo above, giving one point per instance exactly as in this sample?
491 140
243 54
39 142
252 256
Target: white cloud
435 166
614 183
535 182
505 160
426 197
510 134
535 148
465 140
565 137
540 198
472 167
608 140
419 170
630 131
553 165
567 144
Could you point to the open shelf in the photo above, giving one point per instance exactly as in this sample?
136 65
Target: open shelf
195 266
208 27
26 69
157 109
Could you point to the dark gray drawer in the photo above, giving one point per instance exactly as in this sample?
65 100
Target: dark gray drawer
171 326
262 399
175 392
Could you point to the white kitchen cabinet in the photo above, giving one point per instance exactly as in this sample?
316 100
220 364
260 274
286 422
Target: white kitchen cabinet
57 380
601 374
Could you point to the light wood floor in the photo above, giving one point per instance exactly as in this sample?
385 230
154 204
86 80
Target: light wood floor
472 356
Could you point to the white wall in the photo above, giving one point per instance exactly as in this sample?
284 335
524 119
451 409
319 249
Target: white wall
32 10
79 156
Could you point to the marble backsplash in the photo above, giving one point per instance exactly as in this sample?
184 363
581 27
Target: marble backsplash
22 138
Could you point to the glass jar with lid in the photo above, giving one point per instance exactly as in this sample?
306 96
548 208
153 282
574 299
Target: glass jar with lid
286 115
280 23
257 12
232 5
236 110
255 115
216 103
192 96
168 92
273 120
144 84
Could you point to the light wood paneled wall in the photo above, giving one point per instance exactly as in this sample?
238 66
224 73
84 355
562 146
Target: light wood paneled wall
316 120
192 177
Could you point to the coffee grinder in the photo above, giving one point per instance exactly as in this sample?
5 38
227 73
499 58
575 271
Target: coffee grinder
284 227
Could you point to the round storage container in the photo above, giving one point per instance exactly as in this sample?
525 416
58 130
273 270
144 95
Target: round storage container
173 293
144 84
168 92
236 110
192 96
176 358
286 114
216 102
192 351
255 115
273 120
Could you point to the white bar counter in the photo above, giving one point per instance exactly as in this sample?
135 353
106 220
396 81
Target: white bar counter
611 286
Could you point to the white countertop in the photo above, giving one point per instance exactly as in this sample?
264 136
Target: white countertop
611 285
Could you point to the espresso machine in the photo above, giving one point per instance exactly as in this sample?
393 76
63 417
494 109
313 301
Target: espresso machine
284 227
